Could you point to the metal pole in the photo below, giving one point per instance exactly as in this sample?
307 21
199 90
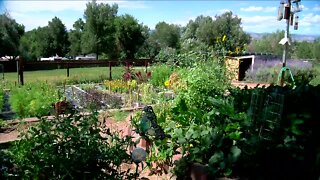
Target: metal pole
286 45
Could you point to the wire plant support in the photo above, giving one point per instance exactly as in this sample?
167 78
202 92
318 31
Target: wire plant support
284 69
265 112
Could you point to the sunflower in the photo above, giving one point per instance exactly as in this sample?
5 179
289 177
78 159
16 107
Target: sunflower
238 50
167 83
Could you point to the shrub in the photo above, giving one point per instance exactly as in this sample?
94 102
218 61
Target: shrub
205 80
268 72
34 99
71 148
160 73
167 55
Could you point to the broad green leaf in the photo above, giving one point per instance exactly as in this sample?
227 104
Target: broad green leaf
216 157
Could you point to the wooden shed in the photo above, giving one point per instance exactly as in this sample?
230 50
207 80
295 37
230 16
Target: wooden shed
237 66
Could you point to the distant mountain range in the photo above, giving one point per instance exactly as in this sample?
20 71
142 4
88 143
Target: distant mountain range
296 37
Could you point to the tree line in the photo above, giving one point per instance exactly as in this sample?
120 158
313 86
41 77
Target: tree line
111 36
297 50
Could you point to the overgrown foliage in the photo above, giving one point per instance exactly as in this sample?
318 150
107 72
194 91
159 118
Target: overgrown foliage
34 99
160 73
80 147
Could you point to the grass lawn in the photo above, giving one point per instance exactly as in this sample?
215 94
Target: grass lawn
59 76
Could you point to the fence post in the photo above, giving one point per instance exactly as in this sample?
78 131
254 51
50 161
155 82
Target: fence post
146 65
110 73
20 70
68 70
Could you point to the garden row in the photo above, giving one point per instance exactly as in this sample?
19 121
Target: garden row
37 99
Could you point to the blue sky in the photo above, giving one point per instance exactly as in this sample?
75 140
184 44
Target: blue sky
257 16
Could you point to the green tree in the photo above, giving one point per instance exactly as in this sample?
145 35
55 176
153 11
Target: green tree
59 37
99 29
269 43
150 48
303 50
75 35
230 25
167 35
208 31
10 34
45 41
129 35
316 49
36 44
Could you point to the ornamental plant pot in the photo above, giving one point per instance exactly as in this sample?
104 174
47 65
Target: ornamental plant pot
199 171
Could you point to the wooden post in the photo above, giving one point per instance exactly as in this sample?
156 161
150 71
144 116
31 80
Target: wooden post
146 65
20 70
110 73
68 70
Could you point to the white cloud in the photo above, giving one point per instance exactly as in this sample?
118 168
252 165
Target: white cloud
304 8
310 20
211 13
258 19
316 8
258 9
260 23
221 11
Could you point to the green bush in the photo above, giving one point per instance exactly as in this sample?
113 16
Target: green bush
160 73
70 148
167 55
1 99
203 81
34 99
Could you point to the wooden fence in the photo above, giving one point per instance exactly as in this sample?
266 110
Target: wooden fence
67 64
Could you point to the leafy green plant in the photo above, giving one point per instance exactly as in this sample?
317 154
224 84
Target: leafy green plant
205 80
162 150
211 138
1 99
34 99
160 73
148 94
71 148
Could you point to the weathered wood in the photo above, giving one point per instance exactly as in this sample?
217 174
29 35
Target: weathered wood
68 73
110 71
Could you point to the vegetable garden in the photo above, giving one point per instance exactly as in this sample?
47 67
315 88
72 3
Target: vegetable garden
209 127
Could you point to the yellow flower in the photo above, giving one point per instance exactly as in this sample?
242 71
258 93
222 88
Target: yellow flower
238 50
224 38
167 83
191 145
134 83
